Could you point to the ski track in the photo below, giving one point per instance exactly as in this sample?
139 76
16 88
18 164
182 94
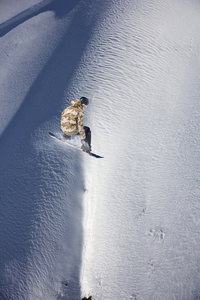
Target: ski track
126 226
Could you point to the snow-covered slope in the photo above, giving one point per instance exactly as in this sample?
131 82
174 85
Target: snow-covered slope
41 181
125 227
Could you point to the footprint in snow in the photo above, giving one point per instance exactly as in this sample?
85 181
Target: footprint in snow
157 233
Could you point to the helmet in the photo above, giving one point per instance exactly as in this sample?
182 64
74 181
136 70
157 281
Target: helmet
84 101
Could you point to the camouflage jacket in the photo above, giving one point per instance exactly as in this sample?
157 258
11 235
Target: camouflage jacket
72 119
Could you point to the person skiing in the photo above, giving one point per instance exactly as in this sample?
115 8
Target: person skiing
72 123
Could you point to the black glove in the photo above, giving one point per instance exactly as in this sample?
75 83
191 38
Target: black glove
85 146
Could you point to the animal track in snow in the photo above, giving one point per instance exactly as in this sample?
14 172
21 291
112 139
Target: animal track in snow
152 267
157 233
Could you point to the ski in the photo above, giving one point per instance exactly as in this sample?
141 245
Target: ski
74 147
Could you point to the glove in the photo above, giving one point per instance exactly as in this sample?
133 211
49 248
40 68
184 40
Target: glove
85 146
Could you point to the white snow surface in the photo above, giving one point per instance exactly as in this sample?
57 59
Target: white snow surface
125 226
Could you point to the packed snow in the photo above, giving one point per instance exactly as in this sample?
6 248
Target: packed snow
125 226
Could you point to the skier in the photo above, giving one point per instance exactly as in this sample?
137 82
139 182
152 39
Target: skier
72 123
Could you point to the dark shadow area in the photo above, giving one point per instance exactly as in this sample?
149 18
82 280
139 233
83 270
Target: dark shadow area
32 185
45 96
58 6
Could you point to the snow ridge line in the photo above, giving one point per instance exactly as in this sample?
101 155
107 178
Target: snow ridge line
88 220
25 13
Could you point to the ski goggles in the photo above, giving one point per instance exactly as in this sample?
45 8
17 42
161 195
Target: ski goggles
84 106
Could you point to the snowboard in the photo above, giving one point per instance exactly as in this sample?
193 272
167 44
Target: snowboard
72 146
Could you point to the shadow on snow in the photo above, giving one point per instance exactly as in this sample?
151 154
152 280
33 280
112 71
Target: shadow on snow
58 6
41 192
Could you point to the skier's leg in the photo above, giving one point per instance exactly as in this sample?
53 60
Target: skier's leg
88 135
